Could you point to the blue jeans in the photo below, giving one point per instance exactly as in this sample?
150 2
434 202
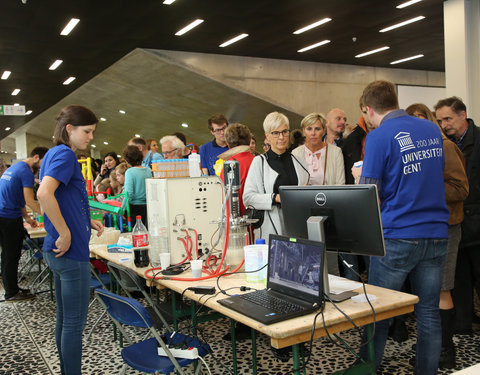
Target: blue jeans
422 260
72 291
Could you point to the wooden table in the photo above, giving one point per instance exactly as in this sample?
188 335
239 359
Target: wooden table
38 232
294 331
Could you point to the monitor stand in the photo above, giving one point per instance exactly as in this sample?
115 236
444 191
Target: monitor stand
317 233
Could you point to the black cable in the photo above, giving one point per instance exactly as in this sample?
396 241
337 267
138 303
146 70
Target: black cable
366 297
231 273
310 343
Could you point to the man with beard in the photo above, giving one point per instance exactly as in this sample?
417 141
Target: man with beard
16 191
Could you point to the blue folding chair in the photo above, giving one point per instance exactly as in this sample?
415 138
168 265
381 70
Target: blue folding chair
97 280
143 355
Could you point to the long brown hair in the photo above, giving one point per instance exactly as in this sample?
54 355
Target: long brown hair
75 115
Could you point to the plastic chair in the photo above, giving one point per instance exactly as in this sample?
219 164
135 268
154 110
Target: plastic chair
143 355
101 281
130 282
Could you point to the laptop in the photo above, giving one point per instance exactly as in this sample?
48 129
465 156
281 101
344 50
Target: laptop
294 282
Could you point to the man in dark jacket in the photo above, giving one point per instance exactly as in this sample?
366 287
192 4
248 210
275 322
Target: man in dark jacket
451 114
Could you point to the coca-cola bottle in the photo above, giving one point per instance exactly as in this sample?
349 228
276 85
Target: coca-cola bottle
140 243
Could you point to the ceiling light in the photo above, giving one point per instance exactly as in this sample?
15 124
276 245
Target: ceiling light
29 112
185 125
372 51
314 46
406 4
406 59
16 104
69 80
55 64
119 156
168 2
105 143
103 119
70 25
233 40
189 27
315 24
402 23
7 129
6 74
93 146
15 92
122 111
138 136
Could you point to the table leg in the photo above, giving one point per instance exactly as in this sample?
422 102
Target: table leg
174 311
234 345
254 352
296 359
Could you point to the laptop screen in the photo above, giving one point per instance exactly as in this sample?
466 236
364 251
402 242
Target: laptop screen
295 267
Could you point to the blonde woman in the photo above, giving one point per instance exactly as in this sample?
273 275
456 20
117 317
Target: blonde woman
277 167
323 161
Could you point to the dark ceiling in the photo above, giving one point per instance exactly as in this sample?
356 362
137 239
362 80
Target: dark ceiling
30 37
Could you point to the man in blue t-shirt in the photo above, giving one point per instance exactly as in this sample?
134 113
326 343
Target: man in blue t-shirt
404 158
16 191
209 151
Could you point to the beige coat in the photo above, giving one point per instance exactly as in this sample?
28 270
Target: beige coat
335 173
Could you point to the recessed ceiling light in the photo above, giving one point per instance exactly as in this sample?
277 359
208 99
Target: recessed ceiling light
189 27
105 143
406 4
314 46
29 112
407 22
168 2
6 74
55 64
185 125
138 136
119 156
15 92
372 51
122 111
93 146
70 25
406 59
233 40
69 80
103 119
7 129
313 25
16 104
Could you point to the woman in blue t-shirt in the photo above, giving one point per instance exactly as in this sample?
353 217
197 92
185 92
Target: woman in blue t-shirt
63 198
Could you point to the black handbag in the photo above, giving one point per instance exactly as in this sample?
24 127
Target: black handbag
253 213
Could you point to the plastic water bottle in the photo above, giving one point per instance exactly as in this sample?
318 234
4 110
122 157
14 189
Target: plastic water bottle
158 243
139 234
194 169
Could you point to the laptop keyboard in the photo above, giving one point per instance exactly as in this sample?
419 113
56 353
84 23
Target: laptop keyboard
277 305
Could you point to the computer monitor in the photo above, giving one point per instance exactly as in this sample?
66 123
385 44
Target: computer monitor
345 217
353 223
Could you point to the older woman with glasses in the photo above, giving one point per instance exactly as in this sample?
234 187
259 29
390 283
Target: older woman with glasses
277 167
323 161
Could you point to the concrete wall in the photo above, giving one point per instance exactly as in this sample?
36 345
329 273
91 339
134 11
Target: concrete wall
301 87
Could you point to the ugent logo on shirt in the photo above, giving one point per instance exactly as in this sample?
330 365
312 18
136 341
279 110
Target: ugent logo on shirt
412 160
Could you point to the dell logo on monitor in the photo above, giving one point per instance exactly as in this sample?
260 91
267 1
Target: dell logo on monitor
320 199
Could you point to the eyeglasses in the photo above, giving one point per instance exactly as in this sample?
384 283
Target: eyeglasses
219 130
276 134
169 152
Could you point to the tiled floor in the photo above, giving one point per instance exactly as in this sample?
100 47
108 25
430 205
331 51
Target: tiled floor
27 346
